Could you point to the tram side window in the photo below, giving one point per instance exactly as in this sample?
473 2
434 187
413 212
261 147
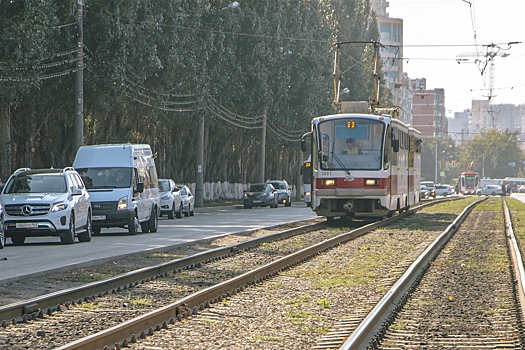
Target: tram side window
386 153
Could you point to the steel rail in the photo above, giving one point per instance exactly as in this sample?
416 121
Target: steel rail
516 258
374 322
35 307
141 326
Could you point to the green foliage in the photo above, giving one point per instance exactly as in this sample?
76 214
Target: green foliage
491 152
154 68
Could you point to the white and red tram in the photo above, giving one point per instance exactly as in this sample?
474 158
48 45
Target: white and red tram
384 176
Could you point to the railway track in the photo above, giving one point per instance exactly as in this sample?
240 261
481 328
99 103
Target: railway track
221 303
471 295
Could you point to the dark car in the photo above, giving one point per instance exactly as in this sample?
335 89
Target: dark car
431 188
283 191
261 195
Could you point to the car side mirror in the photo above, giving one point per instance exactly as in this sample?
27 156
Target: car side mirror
140 187
77 191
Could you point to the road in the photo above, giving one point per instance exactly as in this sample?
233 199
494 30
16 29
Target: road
41 254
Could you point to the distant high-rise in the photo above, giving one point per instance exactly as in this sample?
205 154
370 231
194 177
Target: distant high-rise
391 51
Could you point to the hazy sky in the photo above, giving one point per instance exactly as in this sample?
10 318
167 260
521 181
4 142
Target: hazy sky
435 32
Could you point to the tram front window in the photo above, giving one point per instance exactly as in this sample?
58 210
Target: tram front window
351 144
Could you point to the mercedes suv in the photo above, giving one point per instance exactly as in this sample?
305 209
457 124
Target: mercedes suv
46 202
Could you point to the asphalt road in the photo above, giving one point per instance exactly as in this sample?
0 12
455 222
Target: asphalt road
41 254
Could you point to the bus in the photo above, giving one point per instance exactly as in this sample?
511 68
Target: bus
383 177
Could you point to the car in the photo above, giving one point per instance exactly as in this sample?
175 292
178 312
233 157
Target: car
521 189
444 190
283 191
261 195
123 184
423 193
490 190
170 199
46 202
188 200
431 188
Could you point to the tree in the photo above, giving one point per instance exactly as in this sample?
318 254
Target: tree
493 154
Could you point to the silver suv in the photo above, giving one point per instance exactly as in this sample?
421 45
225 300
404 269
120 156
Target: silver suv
283 190
46 202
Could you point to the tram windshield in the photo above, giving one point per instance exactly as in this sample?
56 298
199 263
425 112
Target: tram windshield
351 144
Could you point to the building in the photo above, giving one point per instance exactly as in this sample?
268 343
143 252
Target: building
428 109
391 51
458 127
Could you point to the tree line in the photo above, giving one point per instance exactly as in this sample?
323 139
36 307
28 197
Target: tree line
153 68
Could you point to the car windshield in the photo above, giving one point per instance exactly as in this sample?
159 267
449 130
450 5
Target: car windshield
97 178
37 183
278 185
164 185
257 188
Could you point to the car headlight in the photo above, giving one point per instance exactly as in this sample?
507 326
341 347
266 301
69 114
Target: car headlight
59 206
122 203
166 196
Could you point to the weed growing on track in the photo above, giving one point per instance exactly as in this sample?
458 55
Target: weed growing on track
266 338
141 302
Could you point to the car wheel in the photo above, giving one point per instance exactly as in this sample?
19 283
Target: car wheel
96 231
179 213
153 222
144 226
171 213
2 241
18 240
133 226
246 206
187 213
88 233
68 237
288 203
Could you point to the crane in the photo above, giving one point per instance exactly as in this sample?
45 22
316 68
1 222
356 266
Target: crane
484 60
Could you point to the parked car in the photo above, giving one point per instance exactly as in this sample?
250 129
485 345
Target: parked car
444 190
423 193
284 192
521 189
431 188
46 202
170 199
188 201
490 190
261 195
2 236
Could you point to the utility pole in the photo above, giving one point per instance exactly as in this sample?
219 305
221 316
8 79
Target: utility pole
79 80
263 148
199 184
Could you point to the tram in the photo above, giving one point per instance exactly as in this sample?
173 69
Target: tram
468 182
382 176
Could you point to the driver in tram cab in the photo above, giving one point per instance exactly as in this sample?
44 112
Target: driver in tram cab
351 147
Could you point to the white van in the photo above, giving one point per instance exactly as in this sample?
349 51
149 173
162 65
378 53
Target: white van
122 182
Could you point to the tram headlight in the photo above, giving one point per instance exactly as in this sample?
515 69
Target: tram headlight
372 182
329 182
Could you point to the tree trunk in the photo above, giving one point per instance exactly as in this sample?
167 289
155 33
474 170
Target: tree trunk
5 140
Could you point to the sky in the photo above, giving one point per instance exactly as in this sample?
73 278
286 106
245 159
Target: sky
436 32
